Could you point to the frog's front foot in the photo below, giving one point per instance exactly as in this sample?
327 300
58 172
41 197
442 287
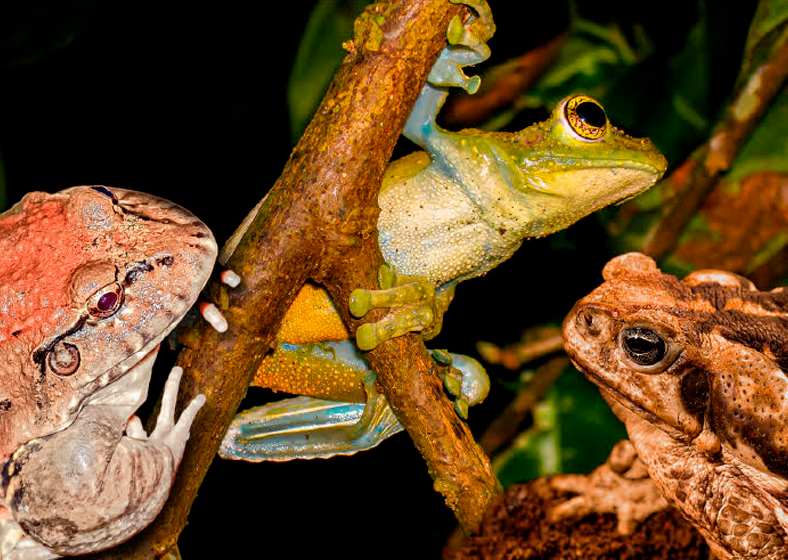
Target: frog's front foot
416 306
167 431
467 46
620 486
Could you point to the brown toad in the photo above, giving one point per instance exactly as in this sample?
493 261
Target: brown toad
92 280
696 369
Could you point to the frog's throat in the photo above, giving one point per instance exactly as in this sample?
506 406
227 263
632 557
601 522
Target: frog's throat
609 393
130 389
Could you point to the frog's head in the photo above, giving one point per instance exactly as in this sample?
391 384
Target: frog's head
703 358
93 278
581 163
627 337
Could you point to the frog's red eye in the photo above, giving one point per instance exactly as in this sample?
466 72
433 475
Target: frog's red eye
106 301
586 117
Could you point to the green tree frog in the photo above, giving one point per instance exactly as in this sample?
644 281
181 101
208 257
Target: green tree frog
447 214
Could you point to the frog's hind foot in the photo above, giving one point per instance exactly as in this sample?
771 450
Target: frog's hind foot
309 428
464 378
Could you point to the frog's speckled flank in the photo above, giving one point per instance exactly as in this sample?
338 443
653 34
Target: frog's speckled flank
93 279
699 366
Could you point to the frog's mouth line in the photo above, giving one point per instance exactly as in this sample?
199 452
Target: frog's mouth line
602 163
625 401
93 389
617 395
143 352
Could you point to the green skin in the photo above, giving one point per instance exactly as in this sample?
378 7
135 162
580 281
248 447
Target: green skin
467 204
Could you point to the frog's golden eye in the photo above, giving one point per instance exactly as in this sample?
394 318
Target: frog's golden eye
586 117
105 301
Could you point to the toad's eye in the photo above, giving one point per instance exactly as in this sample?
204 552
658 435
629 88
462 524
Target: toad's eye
105 301
643 346
586 117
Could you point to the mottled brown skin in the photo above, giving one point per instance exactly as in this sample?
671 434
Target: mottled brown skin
696 370
91 280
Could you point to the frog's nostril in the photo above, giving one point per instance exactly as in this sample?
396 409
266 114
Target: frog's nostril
587 322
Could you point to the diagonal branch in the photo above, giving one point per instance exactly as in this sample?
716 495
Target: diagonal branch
693 180
318 222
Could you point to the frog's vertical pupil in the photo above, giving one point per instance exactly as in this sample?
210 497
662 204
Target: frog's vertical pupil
591 114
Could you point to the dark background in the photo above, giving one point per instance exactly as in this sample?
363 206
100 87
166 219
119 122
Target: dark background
187 101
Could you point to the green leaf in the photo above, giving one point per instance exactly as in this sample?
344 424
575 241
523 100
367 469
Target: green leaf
766 33
573 431
767 148
319 55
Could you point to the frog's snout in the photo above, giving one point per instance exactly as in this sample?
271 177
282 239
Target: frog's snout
658 160
589 321
586 324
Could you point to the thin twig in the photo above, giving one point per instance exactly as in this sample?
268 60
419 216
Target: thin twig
507 425
693 180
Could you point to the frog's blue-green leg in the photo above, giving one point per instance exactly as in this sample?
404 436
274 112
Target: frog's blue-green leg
467 46
310 428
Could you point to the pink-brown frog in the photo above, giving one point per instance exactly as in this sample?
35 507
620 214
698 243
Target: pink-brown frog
91 280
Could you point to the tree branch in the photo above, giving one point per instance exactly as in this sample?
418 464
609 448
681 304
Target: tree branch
694 179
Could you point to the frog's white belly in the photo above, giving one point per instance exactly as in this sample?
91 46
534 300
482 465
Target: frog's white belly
428 226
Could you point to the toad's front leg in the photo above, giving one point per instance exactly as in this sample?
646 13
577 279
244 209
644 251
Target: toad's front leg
95 484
